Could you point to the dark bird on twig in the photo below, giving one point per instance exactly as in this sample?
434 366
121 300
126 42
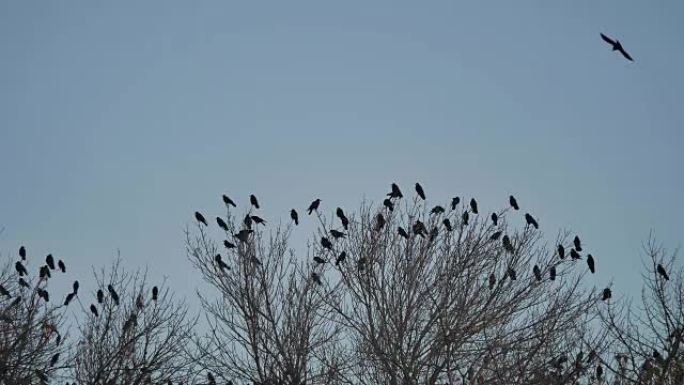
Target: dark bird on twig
219 261
336 234
437 210
247 221
20 269
464 218
319 260
537 272
294 216
253 200
22 253
228 201
314 206
561 251
507 244
210 379
243 235
54 359
15 302
552 273
434 233
658 357
93 310
258 220
607 294
44 272
75 286
454 202
402 232
200 218
599 372
511 274
316 278
590 263
513 202
113 294
325 242
155 293
100 296
139 302
419 229
388 203
577 243
492 281
496 235
531 221
574 254
228 244
222 224
379 222
343 218
395 193
23 283
473 205
419 190
447 224
50 261
4 292
495 219
341 258
69 298
61 266
662 272
616 46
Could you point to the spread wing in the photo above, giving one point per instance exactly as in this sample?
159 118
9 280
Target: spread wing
607 39
625 54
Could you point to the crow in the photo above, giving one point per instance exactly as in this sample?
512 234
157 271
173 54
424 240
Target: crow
100 296
314 206
61 266
379 222
247 221
561 251
4 292
243 235
616 46
434 233
336 234
93 310
210 379
319 260
577 243
473 205
574 254
23 283
54 359
495 219
552 273
537 272
454 202
222 224
294 216
513 202
200 218
113 294
69 298
464 218
341 258
492 281
44 272
531 221
219 261
402 232
388 203
20 269
325 242
258 220
607 294
155 293
512 274
395 193
419 190
316 278
590 262
447 224
50 261
228 201
496 235
662 272
419 229
437 210
22 253
253 200
228 245
75 286
507 244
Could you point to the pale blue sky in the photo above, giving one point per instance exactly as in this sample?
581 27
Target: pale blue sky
119 119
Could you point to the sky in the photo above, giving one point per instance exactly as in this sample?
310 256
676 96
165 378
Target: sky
119 119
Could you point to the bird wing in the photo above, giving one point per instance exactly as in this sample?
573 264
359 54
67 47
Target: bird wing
625 54
607 39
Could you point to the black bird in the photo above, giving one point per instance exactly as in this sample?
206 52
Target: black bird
294 216
662 272
492 281
22 253
473 205
537 272
447 224
243 235
319 260
577 243
155 293
512 274
44 272
552 273
210 379
507 244
258 220
100 296
23 283
314 206
419 190
616 46
200 218
69 298
437 210
15 302
496 235
402 232
599 372
388 203
454 202
341 258
395 193
4 292
113 294
93 310
316 278
20 269
253 200
607 294
434 233
325 242
561 251
61 266
222 224
379 222
54 359
495 219
219 261
574 254
50 261
419 229
590 262
228 201
228 245
247 221
658 357
75 286
337 234
513 202
464 218
531 221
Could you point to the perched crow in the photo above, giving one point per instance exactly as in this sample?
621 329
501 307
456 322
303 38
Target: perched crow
513 202
258 220
294 216
537 272
336 234
93 310
496 235
437 210
388 203
402 232
341 258
473 205
512 274
552 273
113 294
395 193
314 206
464 218
4 292
419 229
454 202
23 283
155 293
599 372
219 261
75 287
228 201
590 263
531 221
616 46
54 359
69 298
316 278
44 272
253 200
200 218
243 235
561 251
492 281
61 266
577 243
20 269
211 379
247 221
574 254
662 272
228 245
222 224
607 294
22 253
325 242
657 356
507 244
447 224
495 219
50 261
419 190
379 222
100 296
343 218
319 260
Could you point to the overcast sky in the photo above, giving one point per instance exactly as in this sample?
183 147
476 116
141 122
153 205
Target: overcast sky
119 119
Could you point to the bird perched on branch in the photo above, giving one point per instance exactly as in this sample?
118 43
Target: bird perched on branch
396 192
419 190
513 202
254 201
200 218
294 216
314 206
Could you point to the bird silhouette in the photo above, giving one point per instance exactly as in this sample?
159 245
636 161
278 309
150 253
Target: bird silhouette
316 278
473 205
210 379
4 292
20 269
341 258
325 242
200 218
69 298
254 201
396 192
662 272
75 286
343 218
222 224
388 203
100 296
495 219
537 272
419 229
402 232
599 373
419 190
113 294
54 359
607 294
228 245
531 221
228 201
379 222
447 224
319 260
23 283
219 261
294 216
574 254
616 46
577 243
93 310
258 220
434 233
496 235
247 221
454 202
590 263
314 206
336 234
561 251
511 274
22 253
155 293
492 281
552 273
437 210
61 266
508 246
50 261
513 202
44 272
464 218
16 302
243 235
